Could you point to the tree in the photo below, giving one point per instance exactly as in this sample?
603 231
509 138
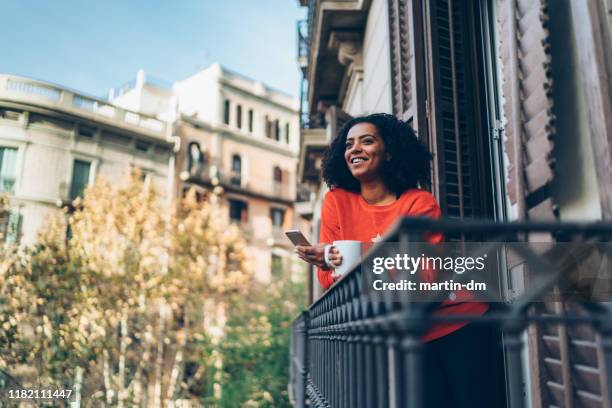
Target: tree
255 347
117 311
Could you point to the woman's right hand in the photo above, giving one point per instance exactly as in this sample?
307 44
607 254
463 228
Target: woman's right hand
315 255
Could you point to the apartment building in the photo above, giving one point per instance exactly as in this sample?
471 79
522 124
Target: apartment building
513 100
55 141
240 139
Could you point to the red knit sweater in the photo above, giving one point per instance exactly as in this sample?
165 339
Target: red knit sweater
346 215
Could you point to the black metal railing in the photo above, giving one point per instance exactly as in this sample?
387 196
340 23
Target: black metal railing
314 121
366 352
298 359
303 45
303 194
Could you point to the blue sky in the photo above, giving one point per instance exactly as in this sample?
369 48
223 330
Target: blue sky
91 46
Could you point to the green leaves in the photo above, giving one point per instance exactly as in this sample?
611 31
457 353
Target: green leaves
146 295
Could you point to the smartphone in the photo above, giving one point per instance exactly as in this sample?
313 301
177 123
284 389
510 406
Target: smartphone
297 237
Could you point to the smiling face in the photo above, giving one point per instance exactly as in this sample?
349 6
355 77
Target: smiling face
364 152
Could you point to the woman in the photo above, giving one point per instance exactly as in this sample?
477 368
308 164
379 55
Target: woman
373 168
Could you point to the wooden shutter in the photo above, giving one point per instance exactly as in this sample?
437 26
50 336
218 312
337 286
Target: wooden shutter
525 54
458 137
529 129
407 63
435 71
566 361
567 365
592 22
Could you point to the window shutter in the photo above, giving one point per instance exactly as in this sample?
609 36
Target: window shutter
592 22
567 364
457 137
529 128
407 63
528 107
568 360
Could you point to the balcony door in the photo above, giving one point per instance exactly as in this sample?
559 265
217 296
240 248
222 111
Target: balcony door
444 84
443 78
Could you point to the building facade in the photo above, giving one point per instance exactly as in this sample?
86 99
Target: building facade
239 138
54 142
514 100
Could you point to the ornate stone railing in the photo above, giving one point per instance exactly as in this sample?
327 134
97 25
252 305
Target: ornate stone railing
33 92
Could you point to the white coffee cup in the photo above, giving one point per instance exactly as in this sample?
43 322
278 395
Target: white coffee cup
351 255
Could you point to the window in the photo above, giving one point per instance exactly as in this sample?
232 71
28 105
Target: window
236 174
196 159
8 169
277 130
80 178
278 217
250 124
277 185
10 227
238 211
143 146
278 175
87 132
268 128
277 265
226 112
287 133
239 117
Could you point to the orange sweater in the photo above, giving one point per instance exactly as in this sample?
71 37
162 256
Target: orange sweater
346 215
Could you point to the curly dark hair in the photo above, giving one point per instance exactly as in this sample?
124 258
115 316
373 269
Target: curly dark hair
408 166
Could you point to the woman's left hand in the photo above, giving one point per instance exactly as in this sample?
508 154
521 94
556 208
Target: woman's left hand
314 255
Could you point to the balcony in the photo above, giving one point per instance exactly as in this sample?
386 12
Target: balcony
356 350
200 169
279 239
302 35
324 69
283 190
304 203
235 179
212 175
246 228
26 91
313 145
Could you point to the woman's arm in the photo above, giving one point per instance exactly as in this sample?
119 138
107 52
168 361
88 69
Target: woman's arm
329 232
427 206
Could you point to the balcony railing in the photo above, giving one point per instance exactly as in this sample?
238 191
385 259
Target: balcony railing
303 45
30 91
350 349
283 190
213 175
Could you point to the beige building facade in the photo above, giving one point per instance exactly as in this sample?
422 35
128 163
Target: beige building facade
239 138
54 142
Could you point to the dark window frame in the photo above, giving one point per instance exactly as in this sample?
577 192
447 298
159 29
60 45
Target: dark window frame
250 120
3 178
76 186
238 210
226 111
239 116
